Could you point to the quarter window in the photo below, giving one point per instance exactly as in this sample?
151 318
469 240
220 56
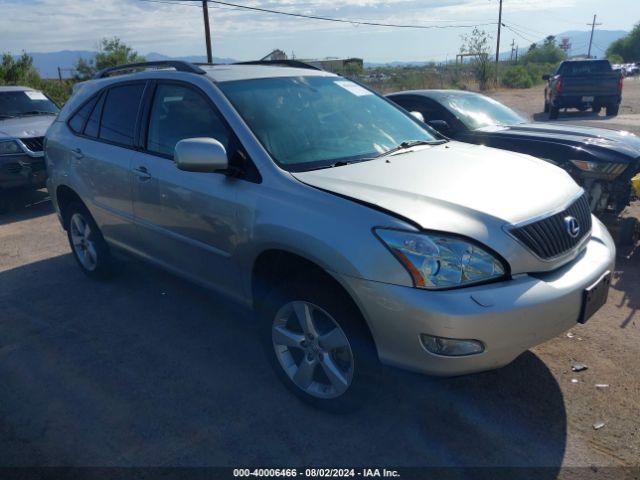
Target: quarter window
119 114
93 124
180 112
77 121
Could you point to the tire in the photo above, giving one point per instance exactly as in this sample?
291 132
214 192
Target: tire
553 112
629 232
89 248
612 110
596 109
546 107
302 351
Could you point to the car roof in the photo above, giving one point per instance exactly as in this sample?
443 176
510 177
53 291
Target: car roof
14 88
228 73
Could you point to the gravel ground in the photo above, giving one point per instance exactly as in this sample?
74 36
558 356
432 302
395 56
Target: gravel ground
151 370
530 102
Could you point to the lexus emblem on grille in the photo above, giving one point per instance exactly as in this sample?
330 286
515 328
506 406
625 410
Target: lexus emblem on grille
572 226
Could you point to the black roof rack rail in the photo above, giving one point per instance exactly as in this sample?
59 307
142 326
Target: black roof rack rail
282 63
179 65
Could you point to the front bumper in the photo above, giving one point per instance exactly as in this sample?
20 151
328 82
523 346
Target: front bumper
18 171
507 317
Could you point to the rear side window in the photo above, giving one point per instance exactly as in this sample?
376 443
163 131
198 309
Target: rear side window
78 120
180 112
119 114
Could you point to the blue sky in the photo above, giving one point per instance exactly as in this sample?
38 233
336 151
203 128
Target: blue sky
176 29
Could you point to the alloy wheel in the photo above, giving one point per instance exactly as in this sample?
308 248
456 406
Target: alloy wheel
312 349
83 246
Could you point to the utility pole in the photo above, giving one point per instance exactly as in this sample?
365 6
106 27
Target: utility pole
513 42
207 32
498 42
517 47
593 26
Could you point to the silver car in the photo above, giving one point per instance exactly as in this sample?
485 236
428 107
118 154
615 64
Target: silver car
25 115
357 233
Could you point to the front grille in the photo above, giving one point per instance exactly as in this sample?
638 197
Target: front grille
35 144
549 238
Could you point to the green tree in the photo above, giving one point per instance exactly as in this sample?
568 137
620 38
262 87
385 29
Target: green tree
20 70
478 44
111 52
627 47
615 58
548 52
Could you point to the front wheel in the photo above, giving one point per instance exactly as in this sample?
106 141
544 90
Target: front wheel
546 107
87 243
318 345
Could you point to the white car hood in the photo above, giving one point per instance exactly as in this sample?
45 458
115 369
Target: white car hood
454 187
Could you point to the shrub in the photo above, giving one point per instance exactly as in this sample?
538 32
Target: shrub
517 77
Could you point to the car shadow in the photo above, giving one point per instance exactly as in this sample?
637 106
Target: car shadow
626 279
17 205
149 369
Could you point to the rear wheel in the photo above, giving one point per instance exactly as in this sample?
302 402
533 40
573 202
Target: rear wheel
612 110
596 108
553 112
318 345
546 107
87 243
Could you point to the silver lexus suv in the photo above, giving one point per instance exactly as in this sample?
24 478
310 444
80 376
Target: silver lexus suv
358 234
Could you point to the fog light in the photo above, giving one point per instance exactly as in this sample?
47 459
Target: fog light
451 347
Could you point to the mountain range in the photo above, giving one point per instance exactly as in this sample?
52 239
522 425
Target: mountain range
47 63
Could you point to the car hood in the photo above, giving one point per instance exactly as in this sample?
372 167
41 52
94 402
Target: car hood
25 127
455 187
619 141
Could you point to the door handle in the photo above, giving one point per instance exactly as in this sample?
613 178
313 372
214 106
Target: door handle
143 173
77 153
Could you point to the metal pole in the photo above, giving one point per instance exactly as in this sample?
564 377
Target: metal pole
59 74
593 26
207 32
498 41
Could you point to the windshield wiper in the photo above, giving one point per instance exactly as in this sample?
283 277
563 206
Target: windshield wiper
409 144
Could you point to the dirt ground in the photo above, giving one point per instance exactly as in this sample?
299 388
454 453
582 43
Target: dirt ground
530 102
150 370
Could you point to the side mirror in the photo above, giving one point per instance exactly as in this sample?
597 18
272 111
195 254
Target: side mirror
440 125
200 155
418 115
546 76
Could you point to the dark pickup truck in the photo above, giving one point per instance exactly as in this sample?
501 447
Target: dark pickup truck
583 84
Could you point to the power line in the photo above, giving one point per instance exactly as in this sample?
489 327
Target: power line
322 18
518 33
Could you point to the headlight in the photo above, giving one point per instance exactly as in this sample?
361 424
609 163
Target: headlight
437 261
601 169
9 147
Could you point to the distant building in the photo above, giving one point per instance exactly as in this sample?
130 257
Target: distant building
277 54
338 64
329 64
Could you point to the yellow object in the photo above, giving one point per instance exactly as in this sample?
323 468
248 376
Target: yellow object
635 181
